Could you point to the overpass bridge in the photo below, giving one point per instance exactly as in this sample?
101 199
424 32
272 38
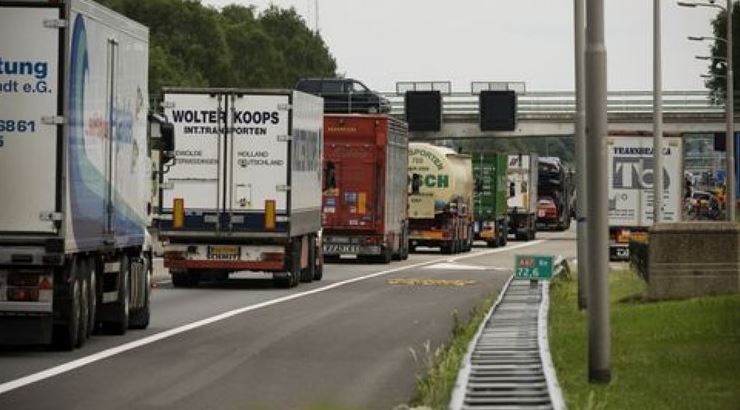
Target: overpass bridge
552 114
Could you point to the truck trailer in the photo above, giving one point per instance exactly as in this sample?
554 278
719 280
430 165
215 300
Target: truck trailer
244 193
440 198
491 212
74 172
364 194
521 177
630 169
555 192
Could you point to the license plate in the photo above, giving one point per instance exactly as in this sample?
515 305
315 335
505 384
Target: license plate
333 249
224 253
541 214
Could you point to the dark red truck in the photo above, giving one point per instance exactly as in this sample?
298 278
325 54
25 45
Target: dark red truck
364 207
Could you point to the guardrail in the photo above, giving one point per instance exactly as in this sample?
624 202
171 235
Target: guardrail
563 102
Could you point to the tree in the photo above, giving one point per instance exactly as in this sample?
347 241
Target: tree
196 46
717 68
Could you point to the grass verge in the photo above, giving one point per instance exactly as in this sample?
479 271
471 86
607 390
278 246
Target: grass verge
665 355
434 389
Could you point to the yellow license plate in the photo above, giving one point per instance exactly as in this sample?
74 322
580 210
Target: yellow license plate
224 252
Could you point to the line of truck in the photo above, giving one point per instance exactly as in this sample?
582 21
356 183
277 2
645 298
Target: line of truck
229 179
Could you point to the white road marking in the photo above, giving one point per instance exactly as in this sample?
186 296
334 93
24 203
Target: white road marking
95 357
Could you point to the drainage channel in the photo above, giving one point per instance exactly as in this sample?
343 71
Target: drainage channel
508 362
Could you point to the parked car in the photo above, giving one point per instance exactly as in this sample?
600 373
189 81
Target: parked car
345 95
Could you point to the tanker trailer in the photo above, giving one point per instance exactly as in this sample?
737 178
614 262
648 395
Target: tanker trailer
440 198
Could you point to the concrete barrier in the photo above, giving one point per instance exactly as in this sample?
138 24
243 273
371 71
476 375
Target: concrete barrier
693 259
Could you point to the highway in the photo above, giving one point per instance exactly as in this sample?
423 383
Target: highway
343 342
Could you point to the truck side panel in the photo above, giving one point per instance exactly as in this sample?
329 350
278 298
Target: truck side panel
29 91
107 164
307 145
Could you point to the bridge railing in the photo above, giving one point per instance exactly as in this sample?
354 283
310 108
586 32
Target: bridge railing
563 102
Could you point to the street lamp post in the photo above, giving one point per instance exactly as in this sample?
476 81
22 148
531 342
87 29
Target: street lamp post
657 118
599 343
730 196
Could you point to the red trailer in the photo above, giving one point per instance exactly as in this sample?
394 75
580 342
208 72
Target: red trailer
364 187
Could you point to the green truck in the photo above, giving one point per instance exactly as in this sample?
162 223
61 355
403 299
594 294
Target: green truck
489 198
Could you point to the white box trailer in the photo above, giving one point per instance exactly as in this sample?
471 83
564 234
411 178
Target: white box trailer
74 171
630 169
244 192
521 178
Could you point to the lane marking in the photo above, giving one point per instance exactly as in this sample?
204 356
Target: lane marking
104 354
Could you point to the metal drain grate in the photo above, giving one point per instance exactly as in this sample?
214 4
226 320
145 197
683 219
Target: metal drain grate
505 368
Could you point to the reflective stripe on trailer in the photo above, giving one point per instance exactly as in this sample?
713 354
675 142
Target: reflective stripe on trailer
229 265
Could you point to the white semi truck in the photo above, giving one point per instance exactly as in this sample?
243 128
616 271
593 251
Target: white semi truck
521 178
630 169
244 193
74 172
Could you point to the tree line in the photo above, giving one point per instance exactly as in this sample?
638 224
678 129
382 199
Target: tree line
192 45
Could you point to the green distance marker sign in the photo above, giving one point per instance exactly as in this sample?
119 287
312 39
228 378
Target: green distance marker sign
535 267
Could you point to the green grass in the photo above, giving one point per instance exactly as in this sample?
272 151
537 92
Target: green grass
665 355
434 388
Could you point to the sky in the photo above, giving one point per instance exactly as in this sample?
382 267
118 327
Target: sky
381 42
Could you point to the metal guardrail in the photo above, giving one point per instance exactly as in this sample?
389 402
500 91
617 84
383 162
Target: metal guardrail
508 364
563 102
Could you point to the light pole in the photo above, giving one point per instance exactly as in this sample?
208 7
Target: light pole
730 192
599 343
657 118
579 29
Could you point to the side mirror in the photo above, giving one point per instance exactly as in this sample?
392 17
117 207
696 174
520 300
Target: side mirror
162 136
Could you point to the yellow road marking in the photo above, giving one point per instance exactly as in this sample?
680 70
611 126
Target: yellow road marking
431 282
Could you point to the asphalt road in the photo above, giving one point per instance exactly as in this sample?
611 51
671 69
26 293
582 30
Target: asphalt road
356 339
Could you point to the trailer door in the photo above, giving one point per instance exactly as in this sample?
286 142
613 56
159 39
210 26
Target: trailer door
199 121
30 106
360 187
257 170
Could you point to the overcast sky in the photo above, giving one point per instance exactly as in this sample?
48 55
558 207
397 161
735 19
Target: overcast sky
384 41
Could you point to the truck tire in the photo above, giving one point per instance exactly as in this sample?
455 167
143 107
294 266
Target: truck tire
447 247
492 244
310 271
140 318
66 335
292 267
84 309
90 268
119 325
386 254
319 272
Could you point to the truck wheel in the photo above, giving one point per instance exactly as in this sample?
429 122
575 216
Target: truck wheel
310 271
447 247
319 272
386 255
119 325
504 237
140 317
92 296
84 310
404 249
65 336
292 267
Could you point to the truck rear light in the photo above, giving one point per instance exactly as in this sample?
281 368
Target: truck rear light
46 288
623 236
23 287
361 203
270 214
178 213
